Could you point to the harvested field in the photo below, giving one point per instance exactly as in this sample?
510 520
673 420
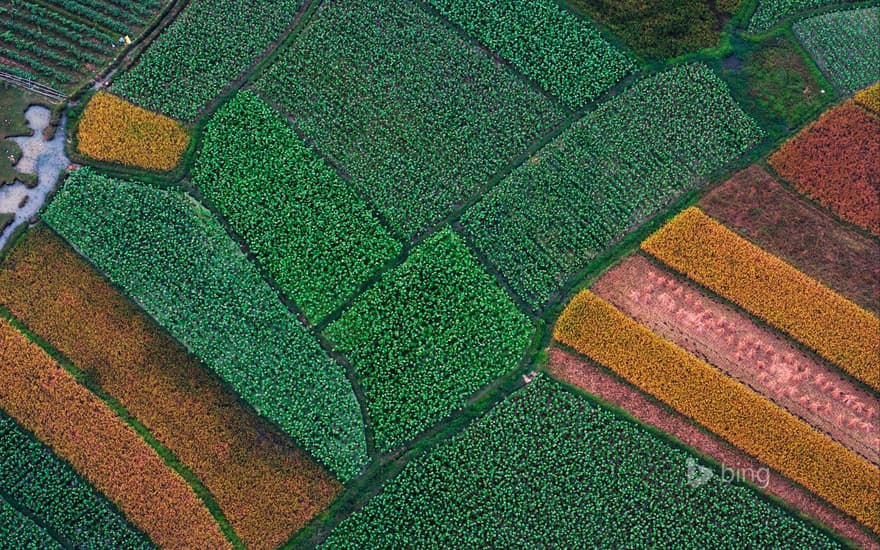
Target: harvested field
79 427
757 356
755 205
765 286
694 388
266 488
834 161
584 374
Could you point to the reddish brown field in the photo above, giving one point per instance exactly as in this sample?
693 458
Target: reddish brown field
586 375
754 204
757 356
83 430
266 488
834 161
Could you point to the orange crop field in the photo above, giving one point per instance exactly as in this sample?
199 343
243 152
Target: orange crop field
870 97
114 130
48 401
716 257
774 436
267 488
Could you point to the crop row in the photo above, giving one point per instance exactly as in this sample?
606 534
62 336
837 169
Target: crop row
754 204
563 53
845 45
62 42
306 225
80 428
417 116
870 97
833 161
208 46
612 170
757 356
114 130
18 532
596 329
428 335
38 480
547 468
174 258
716 257
266 488
770 12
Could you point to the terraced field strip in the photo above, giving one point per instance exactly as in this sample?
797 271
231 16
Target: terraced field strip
694 388
834 161
586 375
266 488
174 258
756 356
765 286
756 206
47 400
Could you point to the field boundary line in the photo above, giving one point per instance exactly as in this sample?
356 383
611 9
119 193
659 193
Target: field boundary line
168 458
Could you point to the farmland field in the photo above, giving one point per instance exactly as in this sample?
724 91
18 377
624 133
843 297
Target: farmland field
844 44
61 43
588 376
82 429
310 230
38 480
769 13
265 487
764 212
567 56
419 118
427 336
549 468
174 258
662 28
714 256
833 162
207 47
608 173
694 388
870 97
19 531
758 357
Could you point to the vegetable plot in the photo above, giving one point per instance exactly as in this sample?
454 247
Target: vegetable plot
563 53
770 12
417 116
311 231
208 46
611 171
845 45
547 468
176 260
427 336
37 479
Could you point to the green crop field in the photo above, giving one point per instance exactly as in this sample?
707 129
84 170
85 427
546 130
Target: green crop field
768 13
208 46
547 468
427 336
176 260
563 53
845 44
316 237
419 118
19 531
62 42
608 173
37 480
